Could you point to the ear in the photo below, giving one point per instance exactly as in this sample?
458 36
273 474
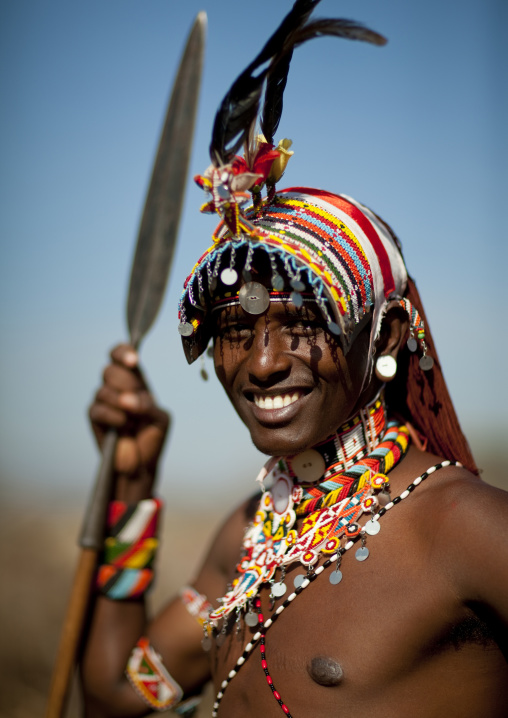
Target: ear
394 331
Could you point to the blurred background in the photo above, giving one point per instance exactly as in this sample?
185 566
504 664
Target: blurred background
416 130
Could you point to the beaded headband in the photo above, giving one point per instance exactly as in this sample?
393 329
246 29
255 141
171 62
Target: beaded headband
308 242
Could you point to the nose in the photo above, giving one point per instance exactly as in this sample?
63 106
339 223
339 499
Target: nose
268 361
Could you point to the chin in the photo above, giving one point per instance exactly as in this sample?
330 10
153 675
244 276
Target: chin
277 444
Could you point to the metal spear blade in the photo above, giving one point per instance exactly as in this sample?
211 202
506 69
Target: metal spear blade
159 223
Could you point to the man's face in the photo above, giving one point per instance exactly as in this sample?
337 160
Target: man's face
286 376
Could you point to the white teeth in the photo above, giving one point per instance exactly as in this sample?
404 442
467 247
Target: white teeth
276 402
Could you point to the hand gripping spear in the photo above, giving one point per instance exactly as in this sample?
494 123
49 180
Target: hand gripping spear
150 270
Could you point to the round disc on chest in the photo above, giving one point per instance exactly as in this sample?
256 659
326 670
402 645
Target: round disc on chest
279 589
251 619
309 466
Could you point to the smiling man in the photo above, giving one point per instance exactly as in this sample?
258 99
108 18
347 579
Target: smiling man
368 575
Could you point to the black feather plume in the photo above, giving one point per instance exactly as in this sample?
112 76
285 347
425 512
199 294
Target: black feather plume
238 112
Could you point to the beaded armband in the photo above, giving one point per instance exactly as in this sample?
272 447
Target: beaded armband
129 549
153 683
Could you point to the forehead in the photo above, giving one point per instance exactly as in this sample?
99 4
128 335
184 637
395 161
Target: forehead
280 308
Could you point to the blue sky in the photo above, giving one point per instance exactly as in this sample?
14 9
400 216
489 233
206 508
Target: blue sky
416 130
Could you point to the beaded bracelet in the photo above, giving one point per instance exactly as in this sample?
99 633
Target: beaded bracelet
129 550
154 684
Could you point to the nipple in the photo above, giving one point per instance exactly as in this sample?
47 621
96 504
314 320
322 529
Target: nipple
325 671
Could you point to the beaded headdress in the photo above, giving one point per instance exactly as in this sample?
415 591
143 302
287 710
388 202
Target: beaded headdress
302 244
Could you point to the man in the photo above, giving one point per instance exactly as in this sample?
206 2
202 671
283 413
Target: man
319 342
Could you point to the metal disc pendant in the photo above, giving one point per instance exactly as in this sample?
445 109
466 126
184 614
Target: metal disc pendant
251 619
277 282
297 299
335 577
229 276
220 639
299 579
372 527
185 329
426 363
279 589
254 298
309 466
412 344
206 643
334 328
297 285
362 553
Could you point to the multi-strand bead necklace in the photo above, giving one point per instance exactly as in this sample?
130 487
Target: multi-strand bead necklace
372 528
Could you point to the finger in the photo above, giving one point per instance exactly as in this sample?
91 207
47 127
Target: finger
107 416
125 354
123 379
127 459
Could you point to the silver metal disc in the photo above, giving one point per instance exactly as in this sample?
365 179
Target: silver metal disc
185 329
299 579
335 577
279 589
297 285
426 363
412 344
229 276
251 619
220 639
254 298
308 466
372 527
297 299
206 643
277 282
334 328
362 553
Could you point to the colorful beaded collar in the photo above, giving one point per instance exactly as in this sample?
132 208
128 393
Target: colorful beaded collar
331 486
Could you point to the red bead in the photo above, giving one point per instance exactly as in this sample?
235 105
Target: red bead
277 695
260 617
269 680
285 708
264 664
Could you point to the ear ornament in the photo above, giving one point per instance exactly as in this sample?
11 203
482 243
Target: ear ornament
386 367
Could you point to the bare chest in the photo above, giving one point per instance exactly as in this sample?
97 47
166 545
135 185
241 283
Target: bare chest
384 629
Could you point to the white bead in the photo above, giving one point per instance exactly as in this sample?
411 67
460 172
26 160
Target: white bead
305 582
224 684
432 469
256 636
405 494
248 647
389 505
291 597
241 660
319 570
268 623
349 545
232 674
279 610
417 481
220 694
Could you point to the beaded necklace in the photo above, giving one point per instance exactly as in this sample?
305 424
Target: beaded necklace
348 477
372 527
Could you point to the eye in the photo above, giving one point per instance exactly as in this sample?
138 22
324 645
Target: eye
234 331
303 327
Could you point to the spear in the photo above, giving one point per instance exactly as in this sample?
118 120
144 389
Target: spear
149 275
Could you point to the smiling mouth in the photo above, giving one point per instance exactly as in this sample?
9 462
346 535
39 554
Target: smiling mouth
279 401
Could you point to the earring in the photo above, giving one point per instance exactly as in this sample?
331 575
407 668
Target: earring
417 334
386 367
